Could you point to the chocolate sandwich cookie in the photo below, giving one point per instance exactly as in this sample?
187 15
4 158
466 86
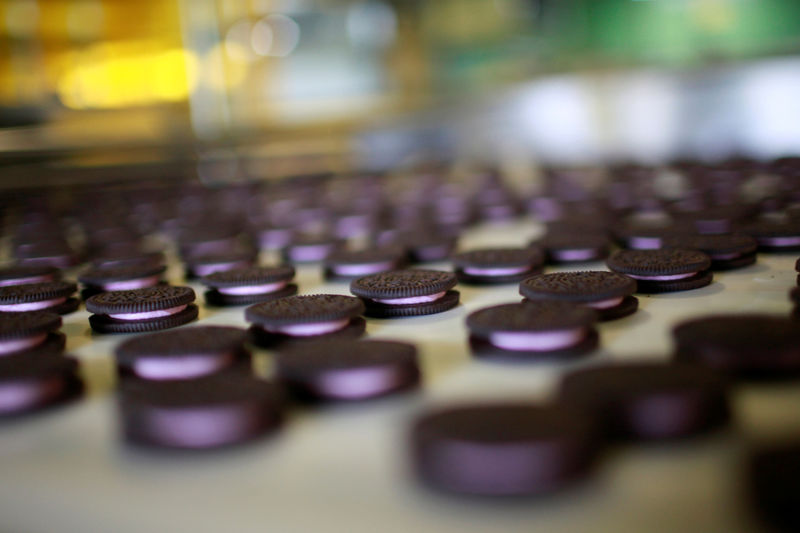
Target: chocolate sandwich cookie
411 292
244 286
650 401
350 264
305 318
120 278
186 353
141 310
565 248
503 449
205 413
641 236
658 271
608 293
57 254
34 330
533 330
775 236
53 296
491 266
26 274
348 370
751 345
128 258
29 382
727 251
309 249
198 266
773 481
427 248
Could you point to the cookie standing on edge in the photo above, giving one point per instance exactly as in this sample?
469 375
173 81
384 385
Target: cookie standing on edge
186 353
402 293
657 271
53 296
244 286
29 383
205 413
305 318
141 310
490 266
348 370
532 330
503 449
608 293
121 278
650 401
35 330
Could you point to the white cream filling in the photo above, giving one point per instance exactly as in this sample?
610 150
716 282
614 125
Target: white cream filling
546 341
32 306
18 396
645 243
179 367
663 278
148 314
130 284
605 304
253 289
16 345
573 255
362 269
779 241
24 281
310 329
723 257
498 271
411 300
208 269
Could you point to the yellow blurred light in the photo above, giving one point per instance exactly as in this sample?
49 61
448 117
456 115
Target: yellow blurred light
113 75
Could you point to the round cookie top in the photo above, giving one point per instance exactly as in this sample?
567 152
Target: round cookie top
249 276
658 262
20 325
718 243
200 340
771 229
532 316
35 292
304 309
24 367
326 356
209 391
140 300
21 272
100 275
585 286
499 257
403 283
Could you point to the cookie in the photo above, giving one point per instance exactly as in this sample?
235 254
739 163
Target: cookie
748 345
308 317
141 310
35 330
775 236
26 274
727 251
641 236
410 292
533 330
351 264
658 271
650 401
772 476
347 369
120 278
31 382
186 353
309 249
502 449
198 266
249 285
490 266
205 413
54 296
567 247
128 258
608 293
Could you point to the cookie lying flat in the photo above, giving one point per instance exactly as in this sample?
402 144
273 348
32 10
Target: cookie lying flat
566 248
502 449
205 413
35 330
650 401
309 249
351 264
198 266
727 251
775 236
402 293
658 271
53 296
25 274
748 345
608 293
490 266
304 318
244 286
348 370
120 278
141 310
29 382
186 353
533 330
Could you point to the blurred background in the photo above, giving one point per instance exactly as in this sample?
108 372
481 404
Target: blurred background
254 89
